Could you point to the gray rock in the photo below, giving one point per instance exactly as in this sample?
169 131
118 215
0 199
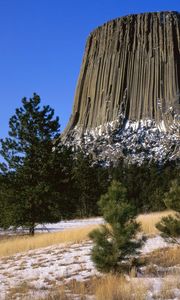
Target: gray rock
130 77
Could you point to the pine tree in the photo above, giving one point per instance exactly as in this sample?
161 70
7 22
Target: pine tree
170 225
115 242
36 171
87 186
146 184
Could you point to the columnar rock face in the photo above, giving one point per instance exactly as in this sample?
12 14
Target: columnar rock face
129 79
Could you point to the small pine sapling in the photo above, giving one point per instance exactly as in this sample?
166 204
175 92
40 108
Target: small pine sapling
115 242
170 225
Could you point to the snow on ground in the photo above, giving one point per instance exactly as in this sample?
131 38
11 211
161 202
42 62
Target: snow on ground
154 243
70 224
47 268
60 226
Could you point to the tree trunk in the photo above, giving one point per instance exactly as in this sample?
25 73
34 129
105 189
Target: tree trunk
31 230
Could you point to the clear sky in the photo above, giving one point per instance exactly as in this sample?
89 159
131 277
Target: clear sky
42 44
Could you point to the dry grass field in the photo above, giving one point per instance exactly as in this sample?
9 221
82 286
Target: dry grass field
41 272
148 221
19 244
117 287
169 257
109 287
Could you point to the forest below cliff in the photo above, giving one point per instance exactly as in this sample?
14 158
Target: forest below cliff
44 181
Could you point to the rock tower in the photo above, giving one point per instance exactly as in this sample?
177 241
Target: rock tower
128 92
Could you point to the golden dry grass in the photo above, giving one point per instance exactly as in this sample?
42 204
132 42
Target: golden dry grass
114 287
20 290
168 257
15 245
169 286
79 288
21 244
109 287
148 221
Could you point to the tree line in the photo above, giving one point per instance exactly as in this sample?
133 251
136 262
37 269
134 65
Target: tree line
43 181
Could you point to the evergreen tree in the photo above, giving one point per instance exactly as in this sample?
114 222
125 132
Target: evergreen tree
170 226
6 195
115 242
146 184
86 185
36 171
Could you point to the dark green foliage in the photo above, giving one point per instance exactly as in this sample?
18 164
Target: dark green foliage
38 185
172 198
6 196
36 173
170 226
116 241
89 182
146 184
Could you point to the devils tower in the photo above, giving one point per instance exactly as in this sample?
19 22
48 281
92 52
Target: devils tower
128 93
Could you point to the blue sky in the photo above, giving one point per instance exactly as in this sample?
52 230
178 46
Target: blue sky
42 44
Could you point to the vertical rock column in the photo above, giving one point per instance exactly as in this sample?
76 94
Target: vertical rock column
131 66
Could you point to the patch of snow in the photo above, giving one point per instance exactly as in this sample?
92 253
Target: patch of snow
70 224
154 244
136 141
60 226
46 267
156 285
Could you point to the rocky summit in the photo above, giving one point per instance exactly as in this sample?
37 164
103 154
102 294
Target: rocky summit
127 100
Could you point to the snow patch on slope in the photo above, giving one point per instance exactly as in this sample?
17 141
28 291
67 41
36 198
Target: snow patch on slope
135 141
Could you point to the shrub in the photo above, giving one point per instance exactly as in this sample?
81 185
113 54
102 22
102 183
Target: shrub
115 242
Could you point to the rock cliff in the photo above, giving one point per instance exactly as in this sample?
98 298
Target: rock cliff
129 88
